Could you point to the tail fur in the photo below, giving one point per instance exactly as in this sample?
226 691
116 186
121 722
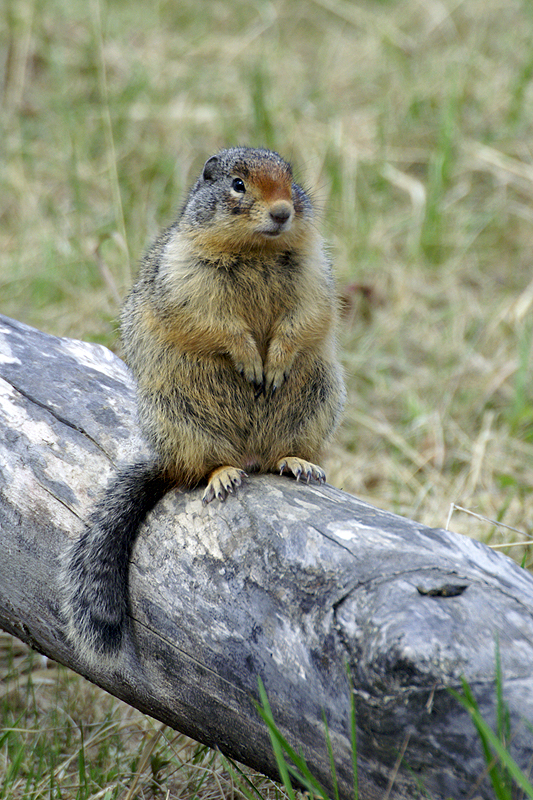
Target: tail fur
95 576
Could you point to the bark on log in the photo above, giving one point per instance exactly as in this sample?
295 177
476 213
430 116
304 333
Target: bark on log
283 581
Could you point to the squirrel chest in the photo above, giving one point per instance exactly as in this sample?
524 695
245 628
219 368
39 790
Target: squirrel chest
251 292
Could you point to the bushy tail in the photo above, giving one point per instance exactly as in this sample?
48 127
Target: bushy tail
95 577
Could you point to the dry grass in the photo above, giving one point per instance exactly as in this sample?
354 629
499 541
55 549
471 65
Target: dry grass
412 120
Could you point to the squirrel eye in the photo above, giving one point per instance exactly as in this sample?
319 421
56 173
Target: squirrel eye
238 186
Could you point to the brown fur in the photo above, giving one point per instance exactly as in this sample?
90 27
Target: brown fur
230 329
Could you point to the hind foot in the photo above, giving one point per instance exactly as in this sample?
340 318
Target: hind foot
299 467
222 481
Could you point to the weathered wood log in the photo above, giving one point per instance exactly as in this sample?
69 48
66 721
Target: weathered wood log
289 582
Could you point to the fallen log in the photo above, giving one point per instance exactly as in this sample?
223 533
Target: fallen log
291 583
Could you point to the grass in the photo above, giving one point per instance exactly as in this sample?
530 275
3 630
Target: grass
507 779
292 766
412 123
61 737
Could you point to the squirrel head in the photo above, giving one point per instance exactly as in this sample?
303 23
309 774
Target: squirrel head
246 198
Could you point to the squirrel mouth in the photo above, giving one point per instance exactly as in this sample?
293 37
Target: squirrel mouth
271 234
273 231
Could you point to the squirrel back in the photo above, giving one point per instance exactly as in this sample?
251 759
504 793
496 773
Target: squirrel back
230 334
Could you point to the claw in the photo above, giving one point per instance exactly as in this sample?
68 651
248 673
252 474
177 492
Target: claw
222 481
208 495
251 371
298 466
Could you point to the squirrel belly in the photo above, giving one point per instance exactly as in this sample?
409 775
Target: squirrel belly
230 332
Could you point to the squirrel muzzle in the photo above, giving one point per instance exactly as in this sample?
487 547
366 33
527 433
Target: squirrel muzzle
278 219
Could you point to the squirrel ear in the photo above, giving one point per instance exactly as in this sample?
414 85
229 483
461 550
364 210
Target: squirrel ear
209 168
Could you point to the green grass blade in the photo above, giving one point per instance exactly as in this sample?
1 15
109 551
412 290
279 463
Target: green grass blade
298 769
244 783
492 766
266 713
14 767
490 740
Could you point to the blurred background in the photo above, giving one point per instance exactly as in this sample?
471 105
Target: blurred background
410 121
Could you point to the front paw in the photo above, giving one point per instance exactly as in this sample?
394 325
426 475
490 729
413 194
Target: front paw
252 371
278 365
274 378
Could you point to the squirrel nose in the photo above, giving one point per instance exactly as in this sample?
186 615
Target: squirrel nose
281 211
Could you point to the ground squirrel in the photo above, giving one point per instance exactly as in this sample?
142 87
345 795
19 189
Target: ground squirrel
230 334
